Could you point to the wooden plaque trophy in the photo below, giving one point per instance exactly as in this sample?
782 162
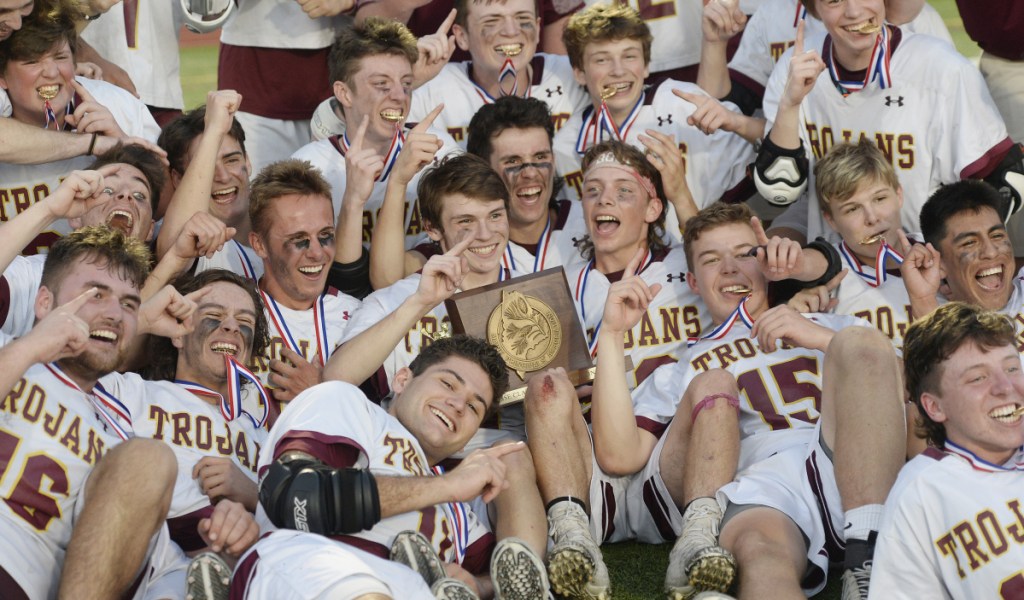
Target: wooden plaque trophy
533 323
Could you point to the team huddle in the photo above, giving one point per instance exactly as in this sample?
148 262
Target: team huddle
788 227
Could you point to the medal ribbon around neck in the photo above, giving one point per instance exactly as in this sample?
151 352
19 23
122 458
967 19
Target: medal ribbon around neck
249 271
489 99
801 13
231 406
741 314
884 252
397 141
878 66
980 464
540 252
319 324
51 117
581 293
600 122
460 521
508 70
109 408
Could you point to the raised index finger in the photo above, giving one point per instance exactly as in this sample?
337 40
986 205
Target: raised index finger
357 142
73 305
447 24
634 263
503 449
762 237
691 98
427 121
81 91
904 242
798 45
460 247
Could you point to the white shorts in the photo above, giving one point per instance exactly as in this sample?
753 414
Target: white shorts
292 565
636 506
271 140
799 482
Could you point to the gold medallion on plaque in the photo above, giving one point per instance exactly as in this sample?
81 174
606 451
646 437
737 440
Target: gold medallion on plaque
526 332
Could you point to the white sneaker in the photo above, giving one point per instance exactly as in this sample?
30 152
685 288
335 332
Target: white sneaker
207 578
414 551
517 572
449 588
575 565
856 582
697 563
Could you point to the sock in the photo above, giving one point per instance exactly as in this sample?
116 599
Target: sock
572 499
861 521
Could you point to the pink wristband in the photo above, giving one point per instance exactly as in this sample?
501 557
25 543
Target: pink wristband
709 401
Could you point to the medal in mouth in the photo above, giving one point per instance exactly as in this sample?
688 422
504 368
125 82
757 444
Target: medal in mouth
610 90
871 240
48 92
392 115
511 49
867 27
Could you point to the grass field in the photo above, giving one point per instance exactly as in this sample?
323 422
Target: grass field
637 570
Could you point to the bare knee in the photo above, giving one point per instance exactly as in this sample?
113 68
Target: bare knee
861 346
519 464
709 383
373 597
138 463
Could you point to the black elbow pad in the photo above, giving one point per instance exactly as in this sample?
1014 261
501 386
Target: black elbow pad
1008 178
780 174
306 495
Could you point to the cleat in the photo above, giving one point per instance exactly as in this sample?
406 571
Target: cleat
414 551
448 588
697 563
856 581
857 567
517 572
713 596
207 578
575 566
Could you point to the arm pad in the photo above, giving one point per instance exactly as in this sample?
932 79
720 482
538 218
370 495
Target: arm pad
780 174
1008 178
835 262
310 496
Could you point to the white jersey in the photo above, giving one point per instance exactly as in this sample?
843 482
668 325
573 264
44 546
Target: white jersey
235 257
313 333
557 245
779 392
24 185
772 29
715 164
380 304
363 435
194 428
18 288
676 27
953 527
1015 308
51 436
936 123
278 24
885 304
329 156
552 82
142 39
676 314
294 565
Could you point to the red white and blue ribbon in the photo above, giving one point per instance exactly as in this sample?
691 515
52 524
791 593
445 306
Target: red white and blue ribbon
540 252
231 406
110 409
319 326
484 95
599 126
884 252
980 464
247 269
397 142
580 294
508 70
741 314
460 522
801 13
878 67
